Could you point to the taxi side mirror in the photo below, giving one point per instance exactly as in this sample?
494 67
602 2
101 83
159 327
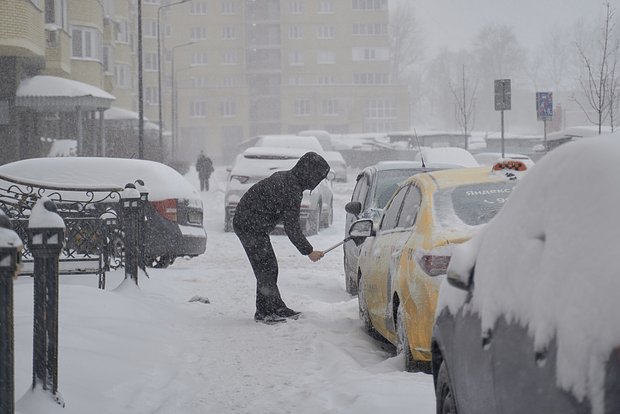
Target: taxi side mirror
360 230
353 207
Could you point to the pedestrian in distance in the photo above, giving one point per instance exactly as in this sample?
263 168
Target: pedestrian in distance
273 200
204 166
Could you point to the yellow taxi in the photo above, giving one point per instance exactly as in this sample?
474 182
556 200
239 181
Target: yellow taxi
404 259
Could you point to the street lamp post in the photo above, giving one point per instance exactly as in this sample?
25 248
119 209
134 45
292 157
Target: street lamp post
159 77
174 95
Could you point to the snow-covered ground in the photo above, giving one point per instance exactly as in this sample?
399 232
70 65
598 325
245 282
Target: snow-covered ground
150 350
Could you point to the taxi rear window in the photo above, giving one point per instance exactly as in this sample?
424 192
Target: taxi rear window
472 204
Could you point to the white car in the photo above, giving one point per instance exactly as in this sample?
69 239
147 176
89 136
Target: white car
257 163
176 215
309 143
323 136
337 164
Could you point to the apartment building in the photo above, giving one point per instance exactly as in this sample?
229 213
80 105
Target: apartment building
248 67
228 69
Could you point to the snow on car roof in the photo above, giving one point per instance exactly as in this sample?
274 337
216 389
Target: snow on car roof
265 152
549 261
448 155
162 181
309 143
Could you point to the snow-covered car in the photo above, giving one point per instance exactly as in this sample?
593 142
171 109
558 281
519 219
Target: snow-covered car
257 163
309 143
324 137
447 155
527 318
337 164
176 215
373 189
400 261
490 158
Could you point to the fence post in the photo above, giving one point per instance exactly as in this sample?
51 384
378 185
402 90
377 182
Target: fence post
46 237
144 199
10 246
131 210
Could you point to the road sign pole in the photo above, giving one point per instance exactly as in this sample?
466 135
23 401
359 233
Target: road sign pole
503 146
545 134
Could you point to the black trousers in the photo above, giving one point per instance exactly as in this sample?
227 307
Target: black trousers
204 183
265 266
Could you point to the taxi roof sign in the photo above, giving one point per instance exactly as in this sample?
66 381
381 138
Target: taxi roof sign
510 165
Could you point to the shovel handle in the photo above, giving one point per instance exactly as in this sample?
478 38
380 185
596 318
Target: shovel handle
329 249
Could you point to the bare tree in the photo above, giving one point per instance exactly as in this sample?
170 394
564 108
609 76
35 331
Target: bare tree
406 43
597 81
614 95
465 104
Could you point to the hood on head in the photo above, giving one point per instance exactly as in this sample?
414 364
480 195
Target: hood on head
310 170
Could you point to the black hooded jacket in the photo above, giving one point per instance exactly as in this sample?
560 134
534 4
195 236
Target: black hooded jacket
277 199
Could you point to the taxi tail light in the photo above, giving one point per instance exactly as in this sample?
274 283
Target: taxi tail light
434 265
166 208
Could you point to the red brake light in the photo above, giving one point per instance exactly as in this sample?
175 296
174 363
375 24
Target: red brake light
166 208
241 178
434 265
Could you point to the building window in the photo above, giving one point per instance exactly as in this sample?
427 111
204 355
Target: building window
370 78
325 32
370 29
301 107
198 7
369 5
326 6
370 54
198 109
56 13
150 61
198 33
331 107
327 79
149 27
199 59
229 33
295 32
296 58
122 76
228 109
199 82
150 95
325 57
229 57
228 7
295 7
121 31
86 43
295 80
380 115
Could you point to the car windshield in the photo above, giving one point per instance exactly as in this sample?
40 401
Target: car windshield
471 204
387 183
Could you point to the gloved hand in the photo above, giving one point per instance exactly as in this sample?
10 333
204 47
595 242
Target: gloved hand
316 255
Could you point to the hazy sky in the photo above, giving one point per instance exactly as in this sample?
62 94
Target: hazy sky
455 23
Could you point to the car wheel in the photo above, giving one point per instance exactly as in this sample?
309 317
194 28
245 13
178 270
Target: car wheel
313 222
161 262
402 346
443 392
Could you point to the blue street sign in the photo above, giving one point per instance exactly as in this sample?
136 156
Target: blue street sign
544 106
